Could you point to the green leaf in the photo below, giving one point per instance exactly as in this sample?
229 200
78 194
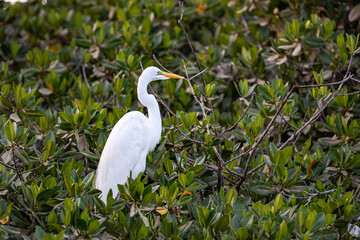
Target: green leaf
340 40
10 230
351 42
50 146
67 218
325 235
263 190
241 234
283 231
83 43
90 155
314 42
39 233
210 89
182 179
349 211
35 113
52 218
310 220
278 202
113 43
94 225
183 119
10 131
193 187
222 223
189 177
65 117
48 193
199 160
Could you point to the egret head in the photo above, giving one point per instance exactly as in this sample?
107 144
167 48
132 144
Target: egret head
153 74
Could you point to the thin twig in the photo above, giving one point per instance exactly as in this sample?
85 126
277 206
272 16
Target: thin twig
357 192
188 138
201 103
311 195
347 94
255 168
282 116
161 101
6 165
241 117
17 167
239 156
84 76
198 74
181 5
154 57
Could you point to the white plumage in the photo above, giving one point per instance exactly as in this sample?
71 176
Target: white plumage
131 139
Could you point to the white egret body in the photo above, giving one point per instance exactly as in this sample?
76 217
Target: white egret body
131 139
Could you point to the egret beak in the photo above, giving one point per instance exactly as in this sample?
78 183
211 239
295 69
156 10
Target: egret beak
171 75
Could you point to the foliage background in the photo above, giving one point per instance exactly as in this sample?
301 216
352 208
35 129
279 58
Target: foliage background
244 154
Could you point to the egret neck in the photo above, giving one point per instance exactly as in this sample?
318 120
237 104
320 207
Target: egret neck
149 101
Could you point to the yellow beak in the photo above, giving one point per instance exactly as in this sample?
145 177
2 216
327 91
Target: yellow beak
171 75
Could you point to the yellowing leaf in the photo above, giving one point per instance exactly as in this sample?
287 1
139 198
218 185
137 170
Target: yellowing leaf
4 221
161 210
51 87
53 48
185 192
200 9
311 165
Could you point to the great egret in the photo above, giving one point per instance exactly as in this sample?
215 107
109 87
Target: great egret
132 138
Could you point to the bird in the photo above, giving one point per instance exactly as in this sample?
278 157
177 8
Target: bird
132 138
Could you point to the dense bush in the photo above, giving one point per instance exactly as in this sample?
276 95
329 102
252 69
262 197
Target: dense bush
262 145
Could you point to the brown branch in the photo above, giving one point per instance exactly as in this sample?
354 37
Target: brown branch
357 192
17 167
6 165
282 116
239 156
255 168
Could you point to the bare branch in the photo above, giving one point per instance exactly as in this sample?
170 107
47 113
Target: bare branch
84 76
198 74
161 101
154 57
181 5
346 94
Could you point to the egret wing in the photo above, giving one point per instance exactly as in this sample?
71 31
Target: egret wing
123 151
